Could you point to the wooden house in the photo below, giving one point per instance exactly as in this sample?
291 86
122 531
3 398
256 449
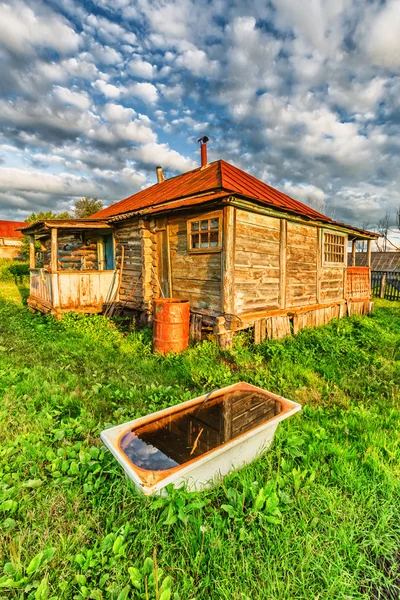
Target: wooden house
243 253
10 239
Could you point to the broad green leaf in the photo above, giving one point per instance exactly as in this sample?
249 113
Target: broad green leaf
118 544
136 577
148 566
32 483
9 506
124 593
35 563
166 594
42 592
9 524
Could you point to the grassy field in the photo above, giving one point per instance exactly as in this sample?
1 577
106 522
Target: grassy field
317 517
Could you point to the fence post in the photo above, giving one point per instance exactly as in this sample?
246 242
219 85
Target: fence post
383 285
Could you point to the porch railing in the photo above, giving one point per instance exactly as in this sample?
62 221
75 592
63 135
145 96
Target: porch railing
73 289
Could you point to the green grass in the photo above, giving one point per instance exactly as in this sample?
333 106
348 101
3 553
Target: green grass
14 280
318 516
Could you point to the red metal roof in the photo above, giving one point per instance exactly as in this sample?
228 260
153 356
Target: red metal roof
8 229
216 180
218 177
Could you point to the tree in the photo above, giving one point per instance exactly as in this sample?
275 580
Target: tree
34 218
383 228
86 207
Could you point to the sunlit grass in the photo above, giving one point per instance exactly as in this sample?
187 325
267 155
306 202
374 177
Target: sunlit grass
330 523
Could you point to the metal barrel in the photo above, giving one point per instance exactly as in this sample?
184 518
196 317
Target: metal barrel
171 325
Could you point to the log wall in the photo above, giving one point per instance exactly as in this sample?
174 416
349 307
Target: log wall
196 277
75 251
138 286
256 270
301 265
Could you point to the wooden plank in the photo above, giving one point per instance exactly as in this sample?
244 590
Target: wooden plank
31 251
319 264
256 232
353 253
245 216
282 263
255 259
54 251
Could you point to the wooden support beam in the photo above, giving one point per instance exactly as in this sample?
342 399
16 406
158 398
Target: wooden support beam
282 263
54 251
319 263
32 252
369 248
228 260
353 253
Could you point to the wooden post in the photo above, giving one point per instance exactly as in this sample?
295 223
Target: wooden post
383 285
353 253
319 263
282 264
54 251
32 252
369 246
228 261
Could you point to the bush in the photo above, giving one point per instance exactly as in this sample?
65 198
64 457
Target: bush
13 270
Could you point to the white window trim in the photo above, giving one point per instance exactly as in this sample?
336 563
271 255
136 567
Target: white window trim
339 265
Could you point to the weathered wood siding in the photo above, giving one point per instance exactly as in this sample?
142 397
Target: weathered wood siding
79 290
301 265
332 284
256 262
137 284
196 277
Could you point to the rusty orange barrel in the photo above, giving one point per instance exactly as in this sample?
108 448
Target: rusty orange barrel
171 325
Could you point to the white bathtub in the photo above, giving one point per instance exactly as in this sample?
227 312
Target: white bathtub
205 470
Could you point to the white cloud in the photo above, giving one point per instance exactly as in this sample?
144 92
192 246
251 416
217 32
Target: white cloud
197 62
66 96
118 113
382 36
145 91
22 29
161 154
109 90
142 68
307 193
63 184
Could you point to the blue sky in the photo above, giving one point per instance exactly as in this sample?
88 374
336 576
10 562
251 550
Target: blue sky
304 95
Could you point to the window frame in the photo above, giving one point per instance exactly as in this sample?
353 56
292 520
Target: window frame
199 218
325 263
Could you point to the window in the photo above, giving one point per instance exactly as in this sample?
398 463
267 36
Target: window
204 235
334 249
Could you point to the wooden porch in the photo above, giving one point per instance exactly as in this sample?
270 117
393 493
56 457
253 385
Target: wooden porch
73 273
62 291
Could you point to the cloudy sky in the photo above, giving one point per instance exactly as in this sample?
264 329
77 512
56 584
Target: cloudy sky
304 95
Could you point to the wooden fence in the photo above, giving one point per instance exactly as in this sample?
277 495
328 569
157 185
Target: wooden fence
385 284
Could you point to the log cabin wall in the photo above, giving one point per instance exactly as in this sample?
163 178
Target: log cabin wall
138 285
256 271
301 264
75 251
195 276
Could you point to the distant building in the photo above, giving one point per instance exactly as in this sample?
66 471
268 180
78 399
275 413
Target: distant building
10 239
380 261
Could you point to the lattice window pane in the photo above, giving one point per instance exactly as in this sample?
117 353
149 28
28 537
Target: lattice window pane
334 248
204 234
